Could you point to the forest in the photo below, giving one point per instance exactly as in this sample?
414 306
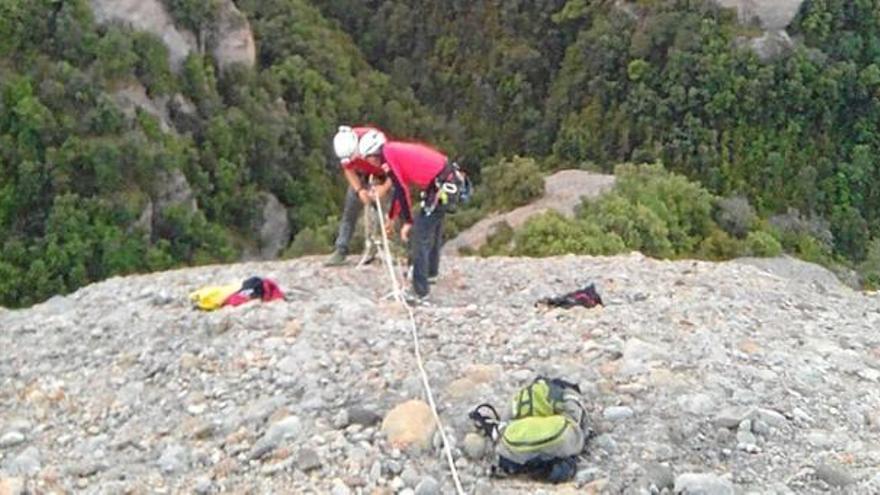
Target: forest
719 152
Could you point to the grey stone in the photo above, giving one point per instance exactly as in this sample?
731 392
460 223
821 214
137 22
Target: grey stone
834 475
286 428
702 484
27 463
617 413
203 486
340 488
11 439
410 476
363 416
771 417
587 475
428 486
341 420
308 460
474 445
731 417
697 404
174 459
659 477
605 442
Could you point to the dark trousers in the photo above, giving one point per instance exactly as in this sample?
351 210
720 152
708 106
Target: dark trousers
350 213
427 239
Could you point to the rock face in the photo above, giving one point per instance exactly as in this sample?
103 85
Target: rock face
173 190
563 192
738 377
134 96
149 16
234 42
773 15
275 231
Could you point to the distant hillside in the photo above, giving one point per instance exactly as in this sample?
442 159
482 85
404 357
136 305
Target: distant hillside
138 136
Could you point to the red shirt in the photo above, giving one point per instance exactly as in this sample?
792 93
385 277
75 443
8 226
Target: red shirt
411 164
358 164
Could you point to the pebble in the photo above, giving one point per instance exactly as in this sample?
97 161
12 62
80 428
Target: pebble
617 413
428 486
474 445
340 488
834 476
27 463
363 416
702 484
11 439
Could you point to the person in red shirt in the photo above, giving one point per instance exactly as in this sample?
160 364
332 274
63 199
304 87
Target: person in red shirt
357 172
413 164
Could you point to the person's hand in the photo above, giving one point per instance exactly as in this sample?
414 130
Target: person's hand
389 228
404 232
365 196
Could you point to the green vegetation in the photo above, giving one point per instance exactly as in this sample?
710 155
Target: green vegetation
80 181
759 156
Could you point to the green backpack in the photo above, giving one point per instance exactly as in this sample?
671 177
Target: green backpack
546 432
546 397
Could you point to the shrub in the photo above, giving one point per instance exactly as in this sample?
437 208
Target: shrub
719 245
684 206
638 226
499 240
870 268
552 234
763 244
735 216
313 240
793 227
511 183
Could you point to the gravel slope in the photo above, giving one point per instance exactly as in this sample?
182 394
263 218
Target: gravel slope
720 376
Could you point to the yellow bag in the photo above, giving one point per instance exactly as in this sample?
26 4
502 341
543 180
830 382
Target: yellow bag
212 297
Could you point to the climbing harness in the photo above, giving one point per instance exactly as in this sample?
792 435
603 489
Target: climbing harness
398 295
451 187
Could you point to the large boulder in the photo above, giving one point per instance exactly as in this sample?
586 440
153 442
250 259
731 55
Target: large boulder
173 190
234 40
275 230
149 16
772 15
410 425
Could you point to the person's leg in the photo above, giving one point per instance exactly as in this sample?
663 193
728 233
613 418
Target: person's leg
421 252
347 224
437 242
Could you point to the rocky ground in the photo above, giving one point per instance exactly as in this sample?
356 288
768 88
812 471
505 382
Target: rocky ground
700 378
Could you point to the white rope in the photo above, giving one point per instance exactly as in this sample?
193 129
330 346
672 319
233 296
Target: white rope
370 243
389 262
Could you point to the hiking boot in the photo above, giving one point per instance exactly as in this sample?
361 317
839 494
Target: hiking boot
432 279
414 299
336 259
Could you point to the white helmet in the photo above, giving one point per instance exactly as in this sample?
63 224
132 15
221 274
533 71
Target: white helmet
345 143
371 143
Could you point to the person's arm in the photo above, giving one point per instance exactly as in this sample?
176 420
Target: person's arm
355 182
381 190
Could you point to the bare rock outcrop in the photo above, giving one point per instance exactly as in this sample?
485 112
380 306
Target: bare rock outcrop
234 39
149 16
563 192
